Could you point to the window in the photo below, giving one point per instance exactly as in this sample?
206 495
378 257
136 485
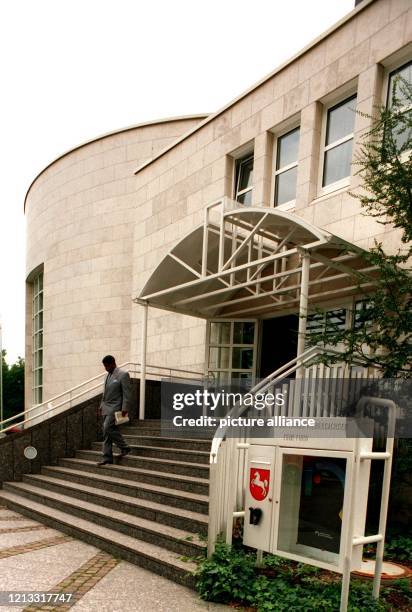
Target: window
244 180
329 320
337 152
232 351
286 167
396 87
37 327
361 316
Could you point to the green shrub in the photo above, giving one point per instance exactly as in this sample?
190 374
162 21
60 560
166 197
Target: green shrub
230 576
398 548
227 576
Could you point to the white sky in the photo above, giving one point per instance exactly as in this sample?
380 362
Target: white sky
73 69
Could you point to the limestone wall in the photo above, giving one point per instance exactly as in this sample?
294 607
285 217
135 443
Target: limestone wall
80 214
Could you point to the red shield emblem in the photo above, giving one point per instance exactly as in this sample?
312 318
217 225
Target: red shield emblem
259 483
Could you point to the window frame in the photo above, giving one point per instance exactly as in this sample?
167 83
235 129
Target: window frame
389 71
37 338
345 181
231 345
290 204
239 161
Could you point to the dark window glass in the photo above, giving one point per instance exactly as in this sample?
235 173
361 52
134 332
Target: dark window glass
245 174
244 332
341 120
244 180
395 83
288 146
245 198
242 359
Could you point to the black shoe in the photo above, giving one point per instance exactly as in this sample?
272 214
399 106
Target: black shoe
125 451
104 462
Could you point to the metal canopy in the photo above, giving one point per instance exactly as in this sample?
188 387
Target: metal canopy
248 262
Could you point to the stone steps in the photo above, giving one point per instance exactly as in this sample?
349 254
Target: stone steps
150 507
169 432
154 558
166 515
161 495
167 466
163 441
121 471
159 452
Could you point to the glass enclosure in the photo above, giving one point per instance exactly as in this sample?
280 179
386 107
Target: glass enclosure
312 491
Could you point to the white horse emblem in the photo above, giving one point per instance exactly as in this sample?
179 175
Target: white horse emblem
261 484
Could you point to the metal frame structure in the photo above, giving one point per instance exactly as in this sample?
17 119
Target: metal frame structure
248 261
251 262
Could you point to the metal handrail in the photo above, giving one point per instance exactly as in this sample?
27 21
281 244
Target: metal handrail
52 407
55 397
274 378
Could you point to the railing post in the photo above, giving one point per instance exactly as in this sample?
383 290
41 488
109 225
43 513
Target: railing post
303 303
143 363
386 486
205 239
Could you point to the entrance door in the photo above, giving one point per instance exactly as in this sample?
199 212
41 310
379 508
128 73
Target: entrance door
279 342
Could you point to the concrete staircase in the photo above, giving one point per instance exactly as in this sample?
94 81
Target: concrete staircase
150 509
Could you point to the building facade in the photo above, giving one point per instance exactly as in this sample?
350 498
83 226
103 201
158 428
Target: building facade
122 218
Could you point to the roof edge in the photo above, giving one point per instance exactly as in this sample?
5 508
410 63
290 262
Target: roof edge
112 133
360 7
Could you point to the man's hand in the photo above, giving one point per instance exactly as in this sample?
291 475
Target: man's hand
124 413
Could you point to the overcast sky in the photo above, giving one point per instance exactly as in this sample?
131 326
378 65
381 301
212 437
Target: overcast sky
73 69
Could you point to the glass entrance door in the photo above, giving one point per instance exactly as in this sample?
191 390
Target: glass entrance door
231 351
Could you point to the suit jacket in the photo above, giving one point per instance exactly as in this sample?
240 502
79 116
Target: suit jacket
116 392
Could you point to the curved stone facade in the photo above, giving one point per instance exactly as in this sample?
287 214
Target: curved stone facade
80 214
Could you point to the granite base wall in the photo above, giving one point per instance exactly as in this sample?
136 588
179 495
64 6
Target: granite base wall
62 435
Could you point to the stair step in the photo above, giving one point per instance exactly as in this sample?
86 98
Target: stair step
193 456
149 492
167 515
172 481
181 541
167 466
153 558
169 442
196 434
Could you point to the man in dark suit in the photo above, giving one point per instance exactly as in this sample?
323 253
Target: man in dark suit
116 397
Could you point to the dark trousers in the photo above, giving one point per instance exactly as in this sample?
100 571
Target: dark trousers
111 434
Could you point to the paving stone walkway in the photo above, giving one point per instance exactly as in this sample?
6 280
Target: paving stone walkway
35 558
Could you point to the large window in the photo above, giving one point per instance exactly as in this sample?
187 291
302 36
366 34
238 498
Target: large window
37 326
244 180
398 80
338 143
286 169
232 351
